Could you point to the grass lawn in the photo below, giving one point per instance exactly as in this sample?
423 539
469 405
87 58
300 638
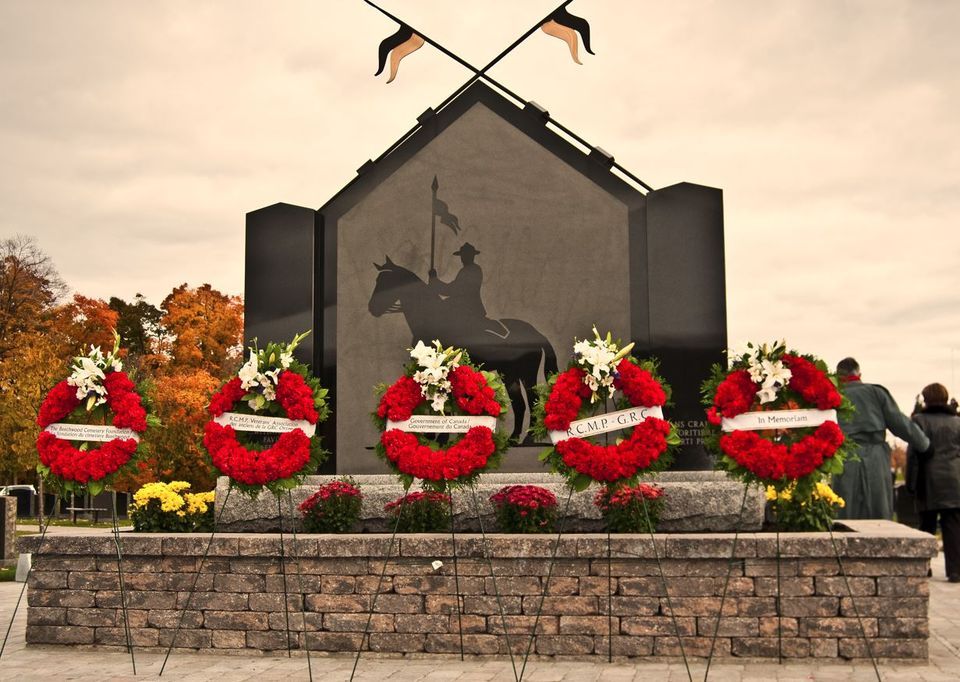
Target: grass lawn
81 523
8 574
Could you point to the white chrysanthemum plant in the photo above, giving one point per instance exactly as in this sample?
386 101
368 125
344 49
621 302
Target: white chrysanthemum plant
88 372
434 364
599 358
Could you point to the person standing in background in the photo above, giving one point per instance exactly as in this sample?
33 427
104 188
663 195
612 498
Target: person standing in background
865 485
934 476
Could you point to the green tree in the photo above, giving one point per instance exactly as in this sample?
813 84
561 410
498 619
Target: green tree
138 324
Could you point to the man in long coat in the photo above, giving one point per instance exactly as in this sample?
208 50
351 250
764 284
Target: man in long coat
867 486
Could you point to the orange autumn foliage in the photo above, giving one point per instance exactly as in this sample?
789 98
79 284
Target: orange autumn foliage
205 329
83 323
173 449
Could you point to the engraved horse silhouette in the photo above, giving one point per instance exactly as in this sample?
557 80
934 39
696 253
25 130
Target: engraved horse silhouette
513 348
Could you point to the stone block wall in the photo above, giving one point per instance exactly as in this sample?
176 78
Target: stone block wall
694 501
238 603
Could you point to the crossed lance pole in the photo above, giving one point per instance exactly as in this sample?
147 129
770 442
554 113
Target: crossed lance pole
483 73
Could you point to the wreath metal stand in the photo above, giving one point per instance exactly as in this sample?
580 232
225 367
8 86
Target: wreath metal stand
493 576
283 570
26 579
726 583
663 580
456 577
778 595
383 572
853 601
123 591
546 583
286 596
778 600
456 569
666 589
300 588
196 578
546 587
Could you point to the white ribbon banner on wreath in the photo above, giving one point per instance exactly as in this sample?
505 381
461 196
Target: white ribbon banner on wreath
429 423
778 419
259 424
605 423
99 433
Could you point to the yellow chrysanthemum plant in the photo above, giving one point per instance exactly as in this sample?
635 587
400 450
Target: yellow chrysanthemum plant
804 508
168 507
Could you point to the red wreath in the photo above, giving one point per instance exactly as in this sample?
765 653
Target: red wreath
71 464
640 451
411 457
285 458
757 452
776 461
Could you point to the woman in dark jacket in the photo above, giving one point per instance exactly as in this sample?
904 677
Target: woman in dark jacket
935 474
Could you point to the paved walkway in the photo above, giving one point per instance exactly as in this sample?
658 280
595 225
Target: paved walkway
56 663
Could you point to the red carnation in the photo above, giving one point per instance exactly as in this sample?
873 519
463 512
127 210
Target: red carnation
565 399
608 463
812 383
286 458
224 399
60 401
638 385
735 394
125 402
83 466
463 458
296 397
777 461
400 400
472 393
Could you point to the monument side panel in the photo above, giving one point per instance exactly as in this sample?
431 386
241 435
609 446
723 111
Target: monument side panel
687 302
279 276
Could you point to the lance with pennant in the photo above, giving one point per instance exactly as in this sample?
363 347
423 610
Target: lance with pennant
433 222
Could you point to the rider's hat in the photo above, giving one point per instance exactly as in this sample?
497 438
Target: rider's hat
466 250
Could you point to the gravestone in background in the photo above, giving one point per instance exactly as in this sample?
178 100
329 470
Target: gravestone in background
532 242
8 526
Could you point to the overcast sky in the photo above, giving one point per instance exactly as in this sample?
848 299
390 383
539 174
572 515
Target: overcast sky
136 135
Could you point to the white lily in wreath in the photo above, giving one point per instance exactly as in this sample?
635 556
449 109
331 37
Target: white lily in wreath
88 372
599 358
434 366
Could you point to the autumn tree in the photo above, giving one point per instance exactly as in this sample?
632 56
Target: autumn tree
173 450
200 331
30 368
205 329
31 360
29 288
83 323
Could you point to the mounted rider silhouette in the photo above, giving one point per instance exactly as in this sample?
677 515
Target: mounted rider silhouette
463 293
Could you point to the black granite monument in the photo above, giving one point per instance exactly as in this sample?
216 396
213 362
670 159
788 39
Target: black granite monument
487 229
